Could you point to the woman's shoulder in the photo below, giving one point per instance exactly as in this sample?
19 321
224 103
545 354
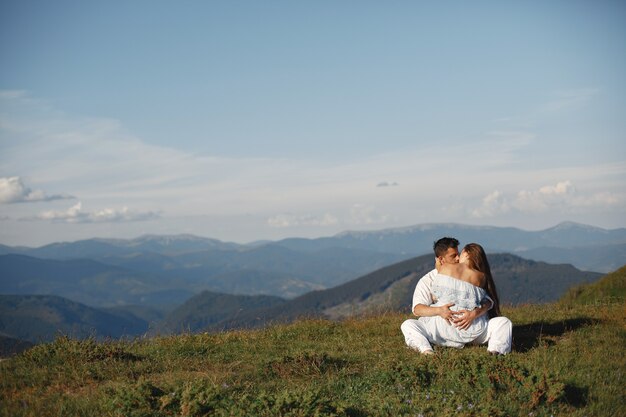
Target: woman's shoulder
464 273
477 278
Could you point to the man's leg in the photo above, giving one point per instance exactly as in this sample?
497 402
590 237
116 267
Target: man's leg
415 335
499 335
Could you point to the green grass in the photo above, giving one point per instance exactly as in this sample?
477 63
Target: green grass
569 359
611 288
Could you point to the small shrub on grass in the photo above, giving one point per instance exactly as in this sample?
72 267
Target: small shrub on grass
64 349
141 399
203 398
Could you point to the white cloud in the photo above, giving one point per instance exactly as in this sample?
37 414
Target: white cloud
562 197
365 214
76 214
291 220
601 199
561 188
13 190
492 205
547 197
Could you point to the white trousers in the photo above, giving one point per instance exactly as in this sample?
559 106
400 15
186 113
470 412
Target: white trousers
498 336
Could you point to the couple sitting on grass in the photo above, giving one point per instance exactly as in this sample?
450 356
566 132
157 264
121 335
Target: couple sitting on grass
451 302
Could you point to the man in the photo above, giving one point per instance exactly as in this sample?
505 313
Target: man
499 329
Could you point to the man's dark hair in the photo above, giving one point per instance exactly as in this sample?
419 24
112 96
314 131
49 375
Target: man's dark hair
442 245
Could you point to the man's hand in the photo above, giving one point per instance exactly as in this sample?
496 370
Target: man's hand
462 319
445 312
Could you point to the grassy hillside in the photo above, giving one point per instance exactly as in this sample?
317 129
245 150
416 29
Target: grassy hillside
611 288
569 359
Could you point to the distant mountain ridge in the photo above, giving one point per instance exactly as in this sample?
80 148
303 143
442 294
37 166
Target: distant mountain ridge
409 239
419 239
586 247
98 247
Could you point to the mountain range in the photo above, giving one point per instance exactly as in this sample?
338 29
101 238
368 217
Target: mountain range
573 241
41 318
586 247
163 284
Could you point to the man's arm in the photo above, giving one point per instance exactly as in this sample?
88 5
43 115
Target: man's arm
443 311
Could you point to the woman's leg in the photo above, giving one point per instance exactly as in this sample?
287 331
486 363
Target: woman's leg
499 335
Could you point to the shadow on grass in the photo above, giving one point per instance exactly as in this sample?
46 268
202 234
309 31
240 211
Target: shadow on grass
576 396
355 412
531 335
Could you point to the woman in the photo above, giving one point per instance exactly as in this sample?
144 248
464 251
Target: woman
467 285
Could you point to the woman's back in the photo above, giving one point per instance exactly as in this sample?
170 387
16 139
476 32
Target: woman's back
464 273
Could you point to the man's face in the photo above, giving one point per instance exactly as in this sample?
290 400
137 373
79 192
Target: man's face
450 257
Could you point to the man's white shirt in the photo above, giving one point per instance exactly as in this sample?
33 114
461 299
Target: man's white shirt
422 294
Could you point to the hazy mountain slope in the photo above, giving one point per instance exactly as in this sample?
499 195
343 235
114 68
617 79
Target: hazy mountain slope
326 267
208 308
600 258
150 315
10 346
38 318
521 280
269 269
87 281
251 282
518 281
314 303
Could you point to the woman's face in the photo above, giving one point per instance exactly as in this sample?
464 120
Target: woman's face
463 257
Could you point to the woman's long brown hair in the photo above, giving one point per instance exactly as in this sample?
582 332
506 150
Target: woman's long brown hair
478 261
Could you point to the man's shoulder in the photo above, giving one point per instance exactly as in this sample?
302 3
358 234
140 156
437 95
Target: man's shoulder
430 275
427 279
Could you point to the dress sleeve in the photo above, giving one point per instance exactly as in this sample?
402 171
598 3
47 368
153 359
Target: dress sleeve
487 298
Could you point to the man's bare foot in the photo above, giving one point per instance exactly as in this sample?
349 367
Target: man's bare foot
428 352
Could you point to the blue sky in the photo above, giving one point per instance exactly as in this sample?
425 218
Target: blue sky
251 120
